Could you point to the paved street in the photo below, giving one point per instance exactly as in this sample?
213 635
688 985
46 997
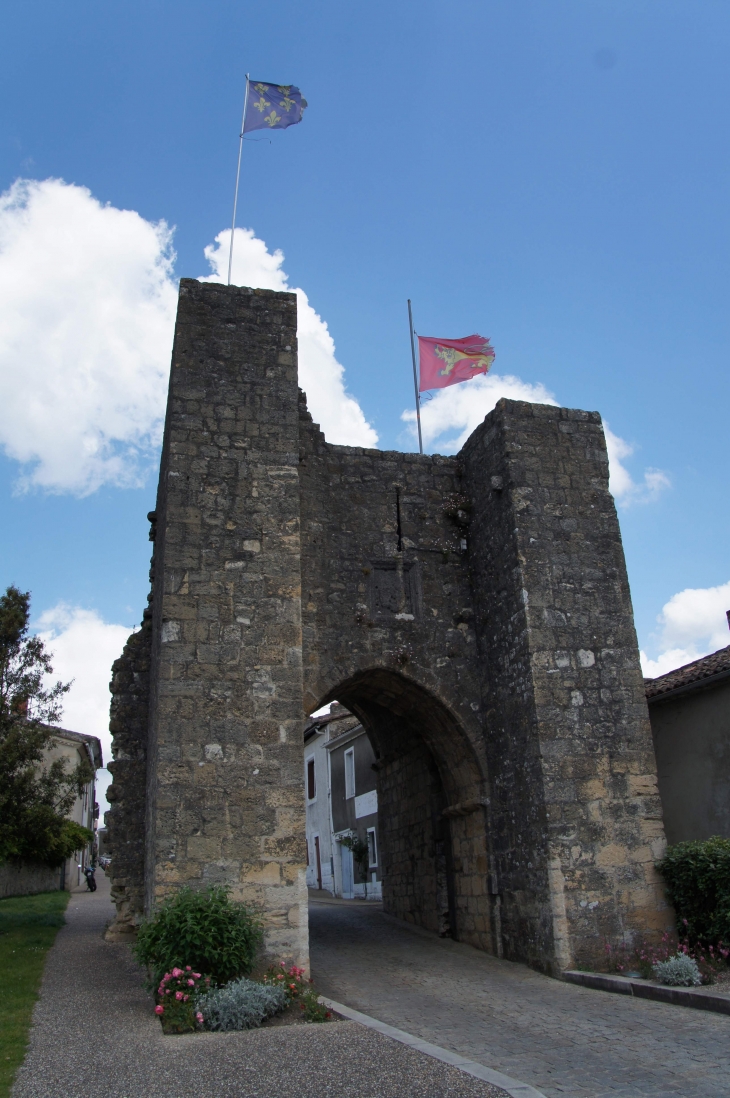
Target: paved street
566 1041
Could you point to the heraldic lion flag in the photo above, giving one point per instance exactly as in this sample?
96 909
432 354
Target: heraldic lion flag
448 361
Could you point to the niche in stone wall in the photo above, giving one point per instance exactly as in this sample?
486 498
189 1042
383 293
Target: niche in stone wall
395 590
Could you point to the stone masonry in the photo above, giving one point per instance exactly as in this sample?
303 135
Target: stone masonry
472 611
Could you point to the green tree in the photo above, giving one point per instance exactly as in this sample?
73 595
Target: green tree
34 799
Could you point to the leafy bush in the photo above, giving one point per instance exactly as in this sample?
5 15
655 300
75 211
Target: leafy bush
697 876
177 996
241 1004
50 838
206 930
297 988
678 971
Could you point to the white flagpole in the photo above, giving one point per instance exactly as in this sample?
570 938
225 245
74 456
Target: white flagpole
238 176
415 378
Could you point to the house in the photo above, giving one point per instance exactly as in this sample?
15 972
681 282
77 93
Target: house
689 710
342 804
26 878
76 747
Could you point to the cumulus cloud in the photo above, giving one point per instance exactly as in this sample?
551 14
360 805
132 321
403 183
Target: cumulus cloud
625 489
451 414
693 624
85 336
86 331
320 374
83 648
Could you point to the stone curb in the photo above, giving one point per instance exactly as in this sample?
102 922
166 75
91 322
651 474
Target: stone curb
513 1087
643 989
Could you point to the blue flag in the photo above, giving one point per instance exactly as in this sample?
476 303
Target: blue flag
272 106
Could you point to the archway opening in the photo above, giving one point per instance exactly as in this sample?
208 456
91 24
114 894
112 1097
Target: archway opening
431 806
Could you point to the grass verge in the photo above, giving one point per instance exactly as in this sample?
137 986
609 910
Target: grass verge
28 926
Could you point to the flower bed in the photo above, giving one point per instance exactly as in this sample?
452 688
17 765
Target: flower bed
187 1001
650 961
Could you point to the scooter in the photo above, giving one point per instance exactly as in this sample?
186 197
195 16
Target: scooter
90 879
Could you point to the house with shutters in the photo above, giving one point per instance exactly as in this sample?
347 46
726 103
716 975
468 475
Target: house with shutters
342 806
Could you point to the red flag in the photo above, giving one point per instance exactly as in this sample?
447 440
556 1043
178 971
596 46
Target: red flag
448 361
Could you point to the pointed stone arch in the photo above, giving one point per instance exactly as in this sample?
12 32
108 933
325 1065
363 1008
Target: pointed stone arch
433 805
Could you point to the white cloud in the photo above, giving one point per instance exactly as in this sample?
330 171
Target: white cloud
83 647
320 374
450 416
85 336
693 624
86 333
624 487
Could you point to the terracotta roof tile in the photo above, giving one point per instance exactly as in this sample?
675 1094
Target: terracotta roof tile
694 672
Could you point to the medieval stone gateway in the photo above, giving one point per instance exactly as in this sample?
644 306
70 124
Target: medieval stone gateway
472 611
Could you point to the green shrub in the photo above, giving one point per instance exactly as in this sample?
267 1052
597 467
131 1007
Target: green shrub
697 875
206 930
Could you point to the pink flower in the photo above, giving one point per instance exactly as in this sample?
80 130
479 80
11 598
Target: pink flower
177 972
191 983
199 1016
196 975
188 968
178 996
168 991
159 1010
185 998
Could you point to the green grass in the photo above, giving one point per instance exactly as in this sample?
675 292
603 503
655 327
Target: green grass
28 926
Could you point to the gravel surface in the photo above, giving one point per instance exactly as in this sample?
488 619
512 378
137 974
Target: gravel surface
94 1036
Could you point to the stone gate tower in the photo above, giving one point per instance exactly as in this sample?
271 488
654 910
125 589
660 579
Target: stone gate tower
472 611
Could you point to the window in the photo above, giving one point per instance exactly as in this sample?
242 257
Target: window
372 847
350 772
311 780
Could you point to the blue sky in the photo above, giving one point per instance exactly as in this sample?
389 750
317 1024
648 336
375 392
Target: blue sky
552 175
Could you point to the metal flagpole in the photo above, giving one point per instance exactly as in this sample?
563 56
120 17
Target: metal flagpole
415 379
238 176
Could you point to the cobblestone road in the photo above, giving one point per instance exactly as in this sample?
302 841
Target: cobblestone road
562 1039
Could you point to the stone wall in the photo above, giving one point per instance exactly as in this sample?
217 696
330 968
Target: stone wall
125 820
576 817
27 879
224 789
472 612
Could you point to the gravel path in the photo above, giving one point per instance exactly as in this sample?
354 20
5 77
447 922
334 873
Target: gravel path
94 1036
566 1041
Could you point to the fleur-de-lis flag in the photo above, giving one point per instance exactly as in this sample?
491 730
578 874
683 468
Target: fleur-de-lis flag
272 106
